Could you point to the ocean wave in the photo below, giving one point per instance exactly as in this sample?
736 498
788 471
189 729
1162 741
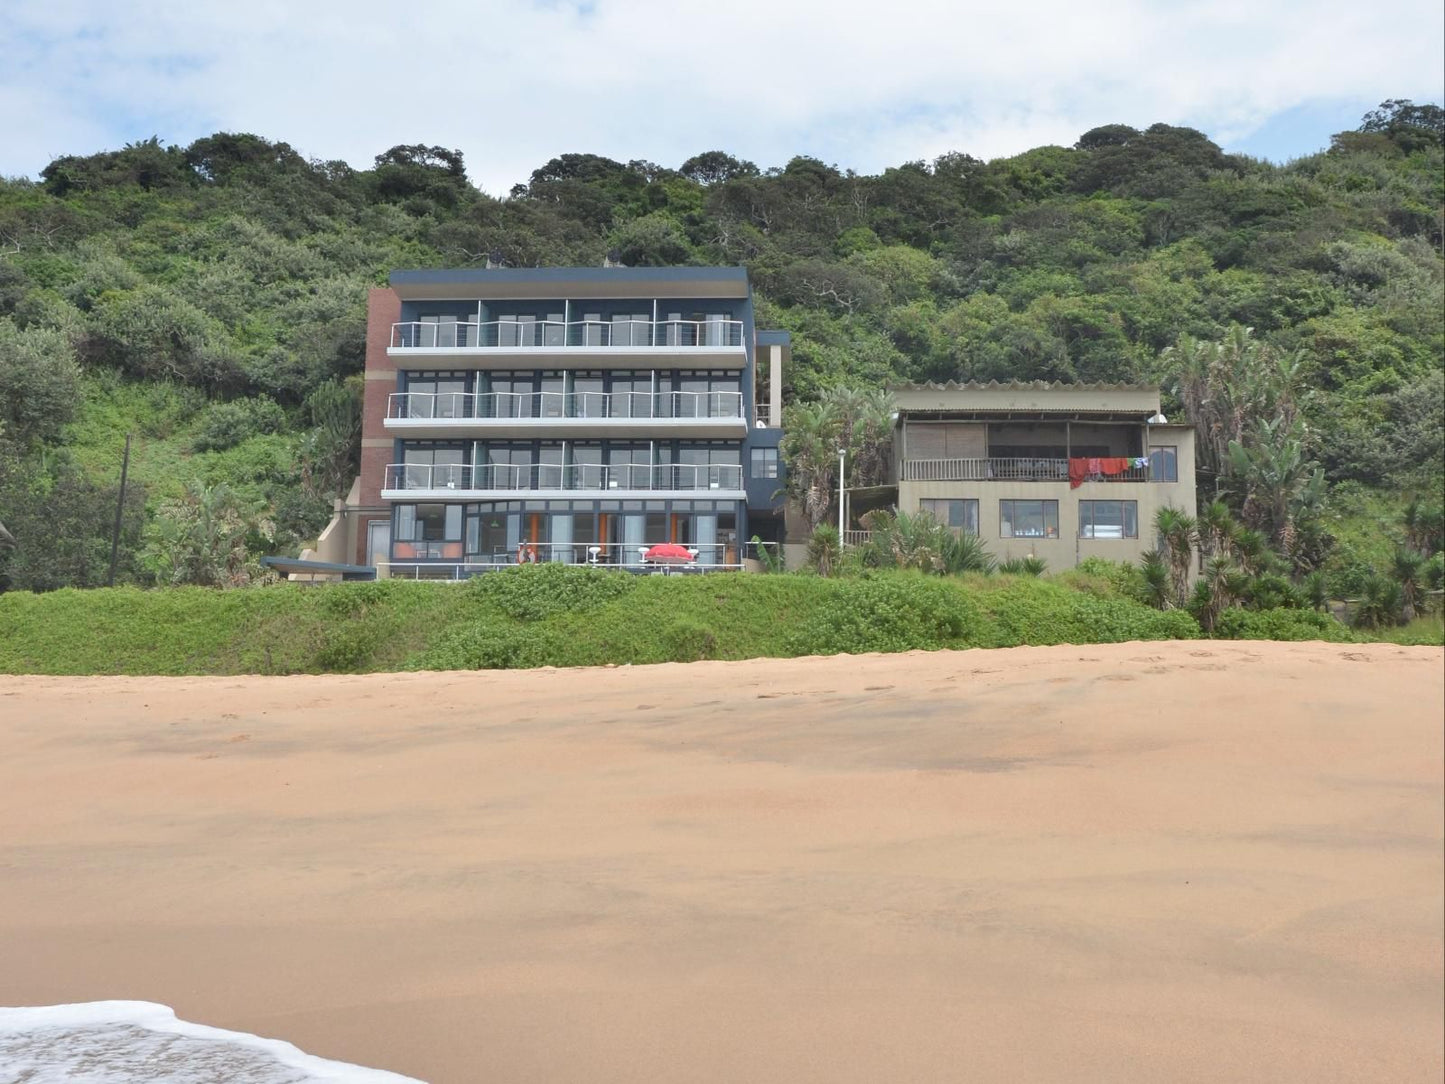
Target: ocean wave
139 1042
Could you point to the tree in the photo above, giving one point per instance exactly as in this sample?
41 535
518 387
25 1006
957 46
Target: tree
1410 126
332 450
202 537
859 422
39 384
1407 568
810 449
715 167
1107 135
1280 483
1178 533
59 523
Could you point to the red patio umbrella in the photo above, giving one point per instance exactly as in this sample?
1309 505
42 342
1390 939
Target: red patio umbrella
669 553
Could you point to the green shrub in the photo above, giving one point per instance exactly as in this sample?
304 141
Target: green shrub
1279 624
1024 566
895 612
1272 591
690 640
483 645
1029 611
226 425
536 592
1108 579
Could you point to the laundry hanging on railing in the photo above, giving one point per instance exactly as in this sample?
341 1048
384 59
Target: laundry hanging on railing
1080 470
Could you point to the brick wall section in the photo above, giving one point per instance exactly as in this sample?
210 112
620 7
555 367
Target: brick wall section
383 308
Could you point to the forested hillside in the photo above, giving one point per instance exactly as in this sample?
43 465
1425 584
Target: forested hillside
209 300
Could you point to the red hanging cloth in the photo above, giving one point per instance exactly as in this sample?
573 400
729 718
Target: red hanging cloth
1080 470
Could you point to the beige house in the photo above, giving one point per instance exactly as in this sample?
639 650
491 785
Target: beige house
1057 471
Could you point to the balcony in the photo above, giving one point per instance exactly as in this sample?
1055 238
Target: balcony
701 344
595 481
445 560
1005 470
571 414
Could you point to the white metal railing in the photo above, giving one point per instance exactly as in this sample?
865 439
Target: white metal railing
558 477
545 405
1006 470
857 538
427 560
529 334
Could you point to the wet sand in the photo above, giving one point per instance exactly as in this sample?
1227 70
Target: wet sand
1136 862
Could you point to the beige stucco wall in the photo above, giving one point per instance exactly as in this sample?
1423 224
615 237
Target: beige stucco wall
1068 549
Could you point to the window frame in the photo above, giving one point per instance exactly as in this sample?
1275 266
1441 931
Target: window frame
763 462
1124 518
963 528
1173 450
1044 509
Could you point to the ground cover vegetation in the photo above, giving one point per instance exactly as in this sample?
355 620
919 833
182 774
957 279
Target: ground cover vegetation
557 615
209 300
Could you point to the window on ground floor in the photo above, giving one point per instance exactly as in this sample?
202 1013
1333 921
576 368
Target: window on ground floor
961 515
1108 519
1028 519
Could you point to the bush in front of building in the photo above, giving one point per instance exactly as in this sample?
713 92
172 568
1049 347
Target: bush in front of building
535 592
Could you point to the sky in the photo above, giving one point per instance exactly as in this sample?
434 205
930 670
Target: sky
862 86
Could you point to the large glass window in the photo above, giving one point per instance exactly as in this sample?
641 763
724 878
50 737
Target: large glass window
629 466
1028 519
765 463
436 395
1108 519
960 515
428 523
434 466
1164 464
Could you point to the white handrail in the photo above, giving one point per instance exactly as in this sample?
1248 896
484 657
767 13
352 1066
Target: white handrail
528 334
617 556
1010 470
556 404
558 477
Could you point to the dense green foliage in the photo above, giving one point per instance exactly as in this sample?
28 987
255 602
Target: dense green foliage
553 615
203 297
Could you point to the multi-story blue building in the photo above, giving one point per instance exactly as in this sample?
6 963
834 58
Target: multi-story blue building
582 415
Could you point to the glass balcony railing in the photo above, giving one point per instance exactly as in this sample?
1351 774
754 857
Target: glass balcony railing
557 477
534 334
556 405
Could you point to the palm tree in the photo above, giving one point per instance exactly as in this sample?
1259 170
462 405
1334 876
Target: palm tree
964 552
823 549
907 541
1217 530
1220 587
1407 568
1155 571
1178 532
810 449
1279 480
858 421
1380 603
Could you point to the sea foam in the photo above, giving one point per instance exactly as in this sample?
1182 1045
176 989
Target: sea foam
139 1042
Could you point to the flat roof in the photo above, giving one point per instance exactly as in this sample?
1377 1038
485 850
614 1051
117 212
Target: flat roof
1027 397
581 282
774 338
296 564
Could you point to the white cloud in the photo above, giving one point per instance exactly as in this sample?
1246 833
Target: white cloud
514 84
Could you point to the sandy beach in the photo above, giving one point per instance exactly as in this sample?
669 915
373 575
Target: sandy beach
1138 862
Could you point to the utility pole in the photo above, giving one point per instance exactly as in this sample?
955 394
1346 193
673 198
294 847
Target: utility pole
842 452
119 508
